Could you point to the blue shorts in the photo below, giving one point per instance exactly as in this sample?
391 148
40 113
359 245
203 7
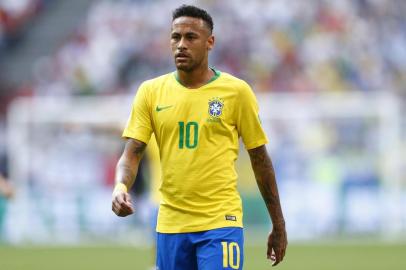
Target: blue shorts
208 250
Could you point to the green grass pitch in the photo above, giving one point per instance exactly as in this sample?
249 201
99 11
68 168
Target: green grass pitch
314 257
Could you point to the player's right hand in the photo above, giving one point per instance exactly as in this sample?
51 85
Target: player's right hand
122 204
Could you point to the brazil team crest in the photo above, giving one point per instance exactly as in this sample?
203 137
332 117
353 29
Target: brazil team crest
216 106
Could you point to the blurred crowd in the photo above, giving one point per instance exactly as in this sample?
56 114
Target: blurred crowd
15 15
279 46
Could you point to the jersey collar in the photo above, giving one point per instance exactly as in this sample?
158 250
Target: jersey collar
215 77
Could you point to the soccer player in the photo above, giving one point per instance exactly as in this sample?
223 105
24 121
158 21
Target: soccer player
6 189
197 114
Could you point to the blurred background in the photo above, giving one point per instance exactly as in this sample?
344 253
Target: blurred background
330 78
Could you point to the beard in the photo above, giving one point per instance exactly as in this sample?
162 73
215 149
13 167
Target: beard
189 65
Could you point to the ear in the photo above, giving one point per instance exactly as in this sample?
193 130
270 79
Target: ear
210 42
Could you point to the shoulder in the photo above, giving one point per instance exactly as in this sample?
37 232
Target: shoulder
240 86
157 81
232 79
235 82
150 86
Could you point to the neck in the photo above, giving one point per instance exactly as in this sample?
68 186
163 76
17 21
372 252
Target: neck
195 78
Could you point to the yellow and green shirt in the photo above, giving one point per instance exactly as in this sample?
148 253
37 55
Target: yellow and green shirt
197 132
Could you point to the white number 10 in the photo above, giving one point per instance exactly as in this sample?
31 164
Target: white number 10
228 255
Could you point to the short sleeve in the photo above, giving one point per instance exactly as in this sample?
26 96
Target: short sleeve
248 123
139 122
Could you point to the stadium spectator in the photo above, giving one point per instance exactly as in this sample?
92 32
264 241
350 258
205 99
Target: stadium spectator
312 46
6 190
14 17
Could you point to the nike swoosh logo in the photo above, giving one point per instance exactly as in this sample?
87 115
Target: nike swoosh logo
161 108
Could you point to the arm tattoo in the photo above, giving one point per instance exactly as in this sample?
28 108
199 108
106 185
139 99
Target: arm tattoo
126 173
127 166
265 176
136 147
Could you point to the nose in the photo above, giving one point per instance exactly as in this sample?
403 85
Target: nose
182 44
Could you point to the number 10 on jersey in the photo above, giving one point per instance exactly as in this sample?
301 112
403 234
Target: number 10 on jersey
188 135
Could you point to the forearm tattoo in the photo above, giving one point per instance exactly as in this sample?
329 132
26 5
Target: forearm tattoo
136 147
127 166
126 173
265 176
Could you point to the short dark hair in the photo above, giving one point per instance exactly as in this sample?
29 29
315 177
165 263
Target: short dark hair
194 12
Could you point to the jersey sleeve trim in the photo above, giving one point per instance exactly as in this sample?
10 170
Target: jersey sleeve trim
136 136
256 144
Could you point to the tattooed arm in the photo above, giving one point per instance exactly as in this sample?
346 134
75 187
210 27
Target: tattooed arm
265 176
126 170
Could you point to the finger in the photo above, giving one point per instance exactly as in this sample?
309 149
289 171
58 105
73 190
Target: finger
122 213
118 201
278 254
122 210
119 198
125 212
269 249
116 210
129 209
124 200
283 253
271 255
116 206
115 203
277 257
283 249
124 205
127 198
127 206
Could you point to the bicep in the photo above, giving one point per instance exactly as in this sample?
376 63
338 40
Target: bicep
260 159
258 154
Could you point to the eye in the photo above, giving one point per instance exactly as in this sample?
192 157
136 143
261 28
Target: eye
175 36
191 36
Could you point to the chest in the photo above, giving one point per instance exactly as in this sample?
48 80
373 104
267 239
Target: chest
210 110
206 107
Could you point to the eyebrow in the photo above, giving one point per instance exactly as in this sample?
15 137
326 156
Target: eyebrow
187 33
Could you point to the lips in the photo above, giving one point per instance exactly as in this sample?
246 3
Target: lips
181 55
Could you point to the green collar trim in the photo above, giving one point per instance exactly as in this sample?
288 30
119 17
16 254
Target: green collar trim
215 76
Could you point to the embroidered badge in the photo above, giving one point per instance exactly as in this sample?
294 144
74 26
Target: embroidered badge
216 106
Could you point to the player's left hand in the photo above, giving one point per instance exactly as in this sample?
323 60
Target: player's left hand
277 243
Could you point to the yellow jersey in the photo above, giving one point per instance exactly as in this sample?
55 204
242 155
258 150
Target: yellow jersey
197 132
154 171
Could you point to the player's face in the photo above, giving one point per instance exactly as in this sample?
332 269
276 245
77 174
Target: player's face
191 41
